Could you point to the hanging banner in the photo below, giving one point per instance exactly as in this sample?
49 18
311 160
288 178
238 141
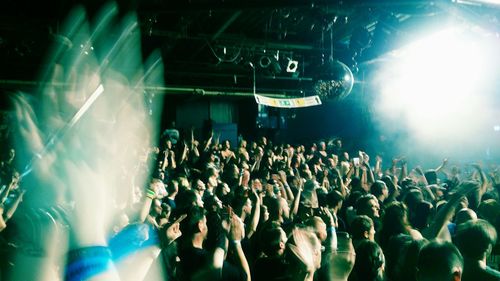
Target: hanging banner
288 103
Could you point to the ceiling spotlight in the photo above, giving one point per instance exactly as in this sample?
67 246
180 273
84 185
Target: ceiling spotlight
265 61
292 66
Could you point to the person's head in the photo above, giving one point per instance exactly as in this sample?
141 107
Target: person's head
389 182
489 210
322 146
159 186
243 143
368 205
395 222
242 205
475 239
380 190
195 223
186 199
173 188
273 241
370 261
264 213
465 215
334 199
271 186
412 198
274 209
333 161
211 175
439 261
198 186
424 213
319 227
212 203
362 227
256 185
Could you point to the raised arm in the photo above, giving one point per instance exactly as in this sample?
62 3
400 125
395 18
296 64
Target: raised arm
236 234
378 166
10 210
484 185
209 141
296 200
255 216
446 213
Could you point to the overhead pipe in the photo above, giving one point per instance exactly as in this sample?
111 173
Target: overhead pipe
158 89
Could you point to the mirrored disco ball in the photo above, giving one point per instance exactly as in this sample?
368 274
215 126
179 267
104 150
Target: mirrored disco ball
334 82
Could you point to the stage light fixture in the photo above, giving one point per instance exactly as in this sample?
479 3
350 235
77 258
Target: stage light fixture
292 66
265 61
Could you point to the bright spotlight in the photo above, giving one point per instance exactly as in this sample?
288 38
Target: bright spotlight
292 66
437 84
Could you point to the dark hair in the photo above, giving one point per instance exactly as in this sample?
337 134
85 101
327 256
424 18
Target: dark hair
431 176
377 188
437 260
270 240
395 222
189 226
334 198
369 261
362 203
359 225
184 200
412 198
464 215
474 238
424 211
408 268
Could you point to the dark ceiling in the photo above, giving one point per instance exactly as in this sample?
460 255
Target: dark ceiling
209 45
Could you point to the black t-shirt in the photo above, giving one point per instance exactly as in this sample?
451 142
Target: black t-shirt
473 272
194 261
270 269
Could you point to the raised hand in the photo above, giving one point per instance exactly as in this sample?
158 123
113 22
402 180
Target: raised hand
87 126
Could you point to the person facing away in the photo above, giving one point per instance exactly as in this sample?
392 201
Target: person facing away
440 261
475 240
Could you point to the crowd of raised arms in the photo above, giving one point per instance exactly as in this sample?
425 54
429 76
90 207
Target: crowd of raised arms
268 211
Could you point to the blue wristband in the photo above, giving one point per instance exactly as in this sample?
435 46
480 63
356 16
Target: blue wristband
86 262
131 239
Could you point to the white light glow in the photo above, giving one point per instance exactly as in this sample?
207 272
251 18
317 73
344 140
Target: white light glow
435 84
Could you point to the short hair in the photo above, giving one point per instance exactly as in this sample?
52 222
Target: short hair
474 238
465 215
359 225
172 187
438 260
189 226
270 240
334 198
362 202
377 187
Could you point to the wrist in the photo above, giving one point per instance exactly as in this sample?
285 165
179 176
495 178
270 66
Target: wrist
150 194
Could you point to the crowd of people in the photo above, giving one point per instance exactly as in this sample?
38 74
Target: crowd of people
268 211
